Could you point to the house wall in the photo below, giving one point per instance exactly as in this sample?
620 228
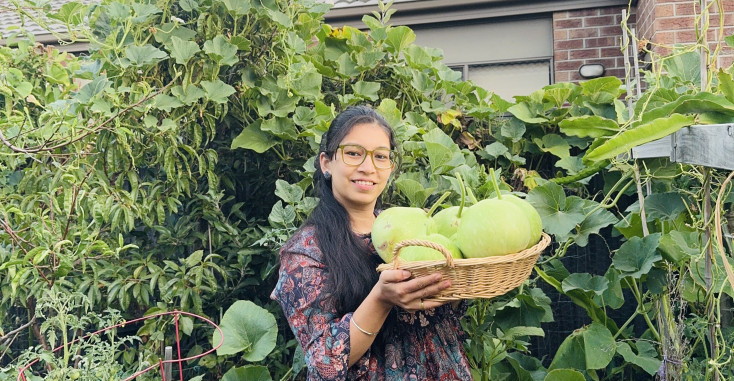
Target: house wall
588 36
665 23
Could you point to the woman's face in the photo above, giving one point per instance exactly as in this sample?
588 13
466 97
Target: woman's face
357 187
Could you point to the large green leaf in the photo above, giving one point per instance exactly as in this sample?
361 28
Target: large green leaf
602 90
247 328
441 150
636 257
290 193
144 55
221 51
237 7
555 144
283 128
665 206
588 126
254 139
639 135
398 38
678 246
559 216
585 282
588 348
92 89
217 91
596 218
71 13
564 375
182 50
248 373
367 90
648 362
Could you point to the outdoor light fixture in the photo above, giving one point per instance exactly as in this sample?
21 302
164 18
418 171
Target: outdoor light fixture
592 70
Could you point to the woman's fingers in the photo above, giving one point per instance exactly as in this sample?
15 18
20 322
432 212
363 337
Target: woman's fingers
411 294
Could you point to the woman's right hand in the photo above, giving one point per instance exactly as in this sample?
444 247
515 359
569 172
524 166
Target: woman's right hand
397 289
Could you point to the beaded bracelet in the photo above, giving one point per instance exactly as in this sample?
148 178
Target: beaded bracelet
360 328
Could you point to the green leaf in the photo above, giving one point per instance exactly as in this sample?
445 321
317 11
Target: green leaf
144 55
523 112
290 193
165 31
282 216
596 219
71 13
247 328
588 126
181 50
346 66
648 363
496 149
636 257
186 324
189 5
414 191
664 206
642 134
191 95
194 259
564 375
585 282
237 7
247 373
554 144
441 151
367 90
253 138
166 102
602 90
559 216
221 51
679 246
588 348
92 89
398 38
514 129
283 128
217 91
726 83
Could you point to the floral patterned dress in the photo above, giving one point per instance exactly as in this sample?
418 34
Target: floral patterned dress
427 345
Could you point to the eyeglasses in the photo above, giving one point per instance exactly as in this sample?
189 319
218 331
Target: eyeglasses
354 155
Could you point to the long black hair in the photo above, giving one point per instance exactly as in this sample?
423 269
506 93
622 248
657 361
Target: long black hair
347 255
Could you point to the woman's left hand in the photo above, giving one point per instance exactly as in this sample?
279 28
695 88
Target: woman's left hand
398 289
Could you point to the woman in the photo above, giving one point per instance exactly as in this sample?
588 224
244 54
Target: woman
353 323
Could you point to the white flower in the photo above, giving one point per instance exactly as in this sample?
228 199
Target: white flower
176 19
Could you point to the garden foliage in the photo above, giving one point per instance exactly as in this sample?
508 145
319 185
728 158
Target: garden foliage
163 169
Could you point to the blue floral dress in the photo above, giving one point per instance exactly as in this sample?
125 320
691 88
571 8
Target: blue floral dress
427 345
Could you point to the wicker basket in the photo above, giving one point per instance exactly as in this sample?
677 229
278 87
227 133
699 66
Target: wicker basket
474 277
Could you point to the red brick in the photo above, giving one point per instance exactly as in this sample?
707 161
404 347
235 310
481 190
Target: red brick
560 35
583 54
615 30
560 15
583 33
598 21
611 52
665 10
607 62
675 23
600 42
684 9
560 55
587 12
563 76
611 10
569 44
567 23
685 37
725 62
568 65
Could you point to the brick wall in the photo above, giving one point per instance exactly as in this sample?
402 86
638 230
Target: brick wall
588 36
666 23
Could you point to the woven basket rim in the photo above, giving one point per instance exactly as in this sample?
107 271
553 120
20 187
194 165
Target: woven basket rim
534 250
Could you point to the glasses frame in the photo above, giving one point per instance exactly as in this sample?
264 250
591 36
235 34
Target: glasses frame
370 153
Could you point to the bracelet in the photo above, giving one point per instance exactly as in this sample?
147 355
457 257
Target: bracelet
360 328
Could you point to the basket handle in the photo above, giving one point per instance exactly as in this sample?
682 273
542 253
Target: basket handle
418 242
